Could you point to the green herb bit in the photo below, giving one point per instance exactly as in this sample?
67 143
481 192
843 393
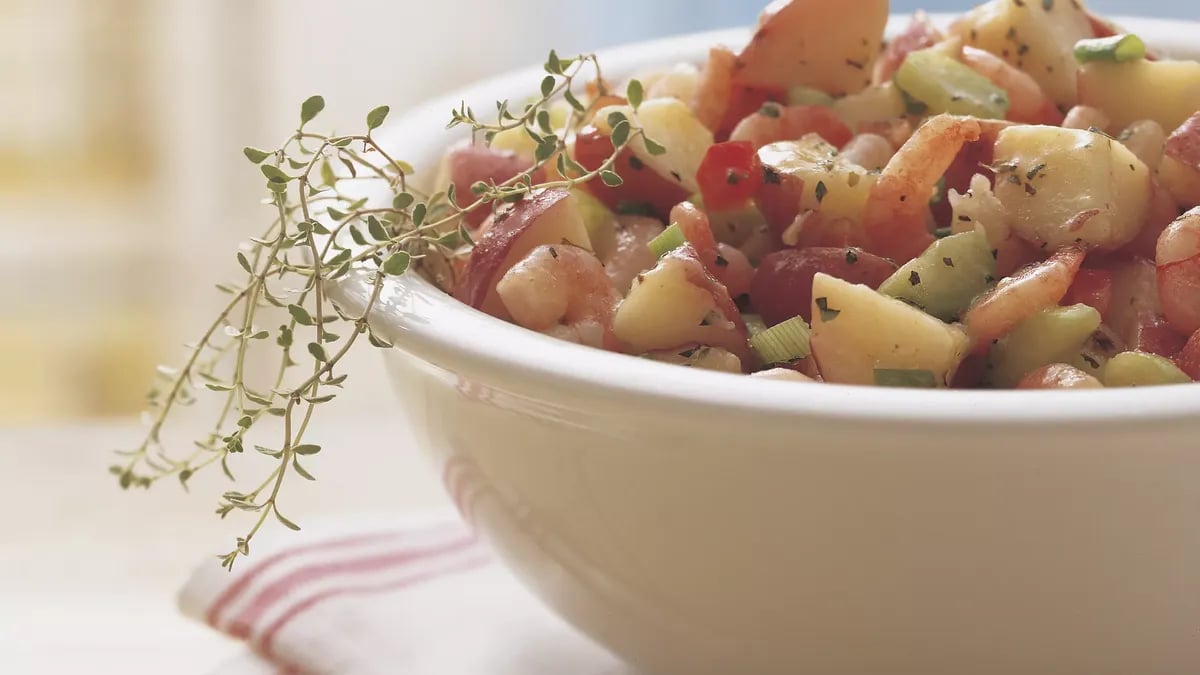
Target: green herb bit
1118 48
783 342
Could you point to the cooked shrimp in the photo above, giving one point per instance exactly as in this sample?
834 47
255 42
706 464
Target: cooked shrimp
632 254
870 151
1020 296
775 122
1145 139
1058 376
1177 263
1085 117
1027 103
713 90
562 290
894 219
726 263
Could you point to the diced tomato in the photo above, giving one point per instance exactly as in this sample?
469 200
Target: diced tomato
782 286
1188 358
1093 288
729 174
641 186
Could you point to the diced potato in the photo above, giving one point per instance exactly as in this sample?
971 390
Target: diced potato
856 330
947 276
1037 37
978 207
1051 336
832 184
880 102
825 45
1167 92
679 82
679 303
1066 186
1139 369
670 123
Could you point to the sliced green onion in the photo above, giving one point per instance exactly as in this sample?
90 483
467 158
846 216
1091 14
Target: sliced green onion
670 239
800 95
900 377
1119 48
782 342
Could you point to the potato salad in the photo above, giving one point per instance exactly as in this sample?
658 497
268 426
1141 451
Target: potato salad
1007 200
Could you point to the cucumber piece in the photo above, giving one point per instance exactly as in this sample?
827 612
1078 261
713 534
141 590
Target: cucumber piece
1139 369
1052 336
601 223
733 226
944 279
947 86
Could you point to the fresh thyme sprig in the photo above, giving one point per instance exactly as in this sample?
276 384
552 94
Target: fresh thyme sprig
320 231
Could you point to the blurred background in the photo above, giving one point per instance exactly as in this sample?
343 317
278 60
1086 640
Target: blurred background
123 191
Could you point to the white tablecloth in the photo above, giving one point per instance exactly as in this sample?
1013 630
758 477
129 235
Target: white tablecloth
88 575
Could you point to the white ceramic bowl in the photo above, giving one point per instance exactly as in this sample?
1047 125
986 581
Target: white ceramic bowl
698 522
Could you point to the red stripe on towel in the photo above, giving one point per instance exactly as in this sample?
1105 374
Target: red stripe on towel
243 625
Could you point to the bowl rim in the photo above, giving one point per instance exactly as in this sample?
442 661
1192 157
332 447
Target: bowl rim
424 321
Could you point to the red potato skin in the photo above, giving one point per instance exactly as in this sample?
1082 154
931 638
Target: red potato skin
1092 287
782 286
641 184
469 164
1188 358
486 265
698 276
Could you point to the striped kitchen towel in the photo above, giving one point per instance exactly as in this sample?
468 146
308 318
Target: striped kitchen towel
374 595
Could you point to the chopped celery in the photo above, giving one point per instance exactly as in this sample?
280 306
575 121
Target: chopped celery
1139 369
601 223
782 342
800 95
670 239
944 279
754 324
1051 336
947 86
1120 48
893 377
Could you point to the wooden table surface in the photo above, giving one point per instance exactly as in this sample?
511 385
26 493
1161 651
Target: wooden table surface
88 574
